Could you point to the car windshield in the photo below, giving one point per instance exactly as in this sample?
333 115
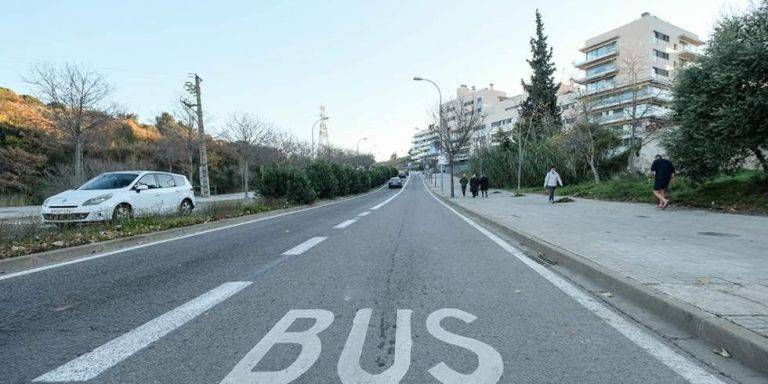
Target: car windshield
110 181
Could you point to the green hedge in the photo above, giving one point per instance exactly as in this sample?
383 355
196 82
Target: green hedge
320 178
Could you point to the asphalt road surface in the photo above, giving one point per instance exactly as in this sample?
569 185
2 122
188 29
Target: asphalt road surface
389 287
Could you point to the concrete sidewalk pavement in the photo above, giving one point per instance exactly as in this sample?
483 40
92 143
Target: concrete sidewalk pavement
716 262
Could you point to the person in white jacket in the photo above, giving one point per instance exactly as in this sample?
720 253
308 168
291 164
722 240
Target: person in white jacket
551 181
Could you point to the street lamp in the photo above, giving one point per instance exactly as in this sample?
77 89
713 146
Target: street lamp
313 133
440 122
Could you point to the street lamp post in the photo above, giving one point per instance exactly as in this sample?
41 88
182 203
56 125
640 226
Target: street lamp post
439 117
313 134
358 148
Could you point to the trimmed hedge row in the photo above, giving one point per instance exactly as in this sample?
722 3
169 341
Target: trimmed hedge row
321 178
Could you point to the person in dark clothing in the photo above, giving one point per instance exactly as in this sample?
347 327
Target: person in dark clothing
474 183
484 186
463 181
663 173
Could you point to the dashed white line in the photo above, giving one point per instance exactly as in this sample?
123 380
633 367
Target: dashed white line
366 213
393 197
305 246
344 224
92 364
666 355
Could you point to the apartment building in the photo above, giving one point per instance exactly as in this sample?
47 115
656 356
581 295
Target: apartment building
498 112
628 73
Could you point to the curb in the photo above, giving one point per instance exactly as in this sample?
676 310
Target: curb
21 263
746 346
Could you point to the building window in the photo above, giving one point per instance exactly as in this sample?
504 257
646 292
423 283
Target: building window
467 103
602 51
661 54
602 68
601 84
660 36
660 72
479 100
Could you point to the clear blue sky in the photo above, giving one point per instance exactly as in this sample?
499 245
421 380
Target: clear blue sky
281 60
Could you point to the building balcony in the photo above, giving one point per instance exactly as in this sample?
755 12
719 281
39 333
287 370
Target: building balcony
583 64
590 92
595 76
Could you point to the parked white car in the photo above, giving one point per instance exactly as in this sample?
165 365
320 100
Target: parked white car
121 195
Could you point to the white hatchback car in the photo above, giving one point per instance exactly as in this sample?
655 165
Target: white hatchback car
117 196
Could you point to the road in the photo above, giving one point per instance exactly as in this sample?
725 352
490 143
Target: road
389 287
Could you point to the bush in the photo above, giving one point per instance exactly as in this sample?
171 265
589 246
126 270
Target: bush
286 181
323 179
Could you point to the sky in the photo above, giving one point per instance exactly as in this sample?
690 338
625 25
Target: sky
281 60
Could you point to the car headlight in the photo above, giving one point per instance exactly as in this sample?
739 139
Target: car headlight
98 200
45 203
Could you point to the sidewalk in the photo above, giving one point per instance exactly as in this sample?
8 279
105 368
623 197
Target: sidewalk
716 262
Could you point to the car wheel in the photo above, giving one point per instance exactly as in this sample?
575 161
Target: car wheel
185 208
122 213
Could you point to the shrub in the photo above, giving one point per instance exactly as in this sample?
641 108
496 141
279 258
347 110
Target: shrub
323 179
281 180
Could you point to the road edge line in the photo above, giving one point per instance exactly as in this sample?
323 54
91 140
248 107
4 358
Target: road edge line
748 347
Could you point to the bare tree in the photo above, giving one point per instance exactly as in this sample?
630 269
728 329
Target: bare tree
456 123
633 65
76 97
246 132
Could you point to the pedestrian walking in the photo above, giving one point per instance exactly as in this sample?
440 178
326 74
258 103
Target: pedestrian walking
484 186
663 173
463 181
551 180
474 183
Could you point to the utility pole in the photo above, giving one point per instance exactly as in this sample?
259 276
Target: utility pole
194 89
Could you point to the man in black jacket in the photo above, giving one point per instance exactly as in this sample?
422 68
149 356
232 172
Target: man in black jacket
484 186
663 173
474 183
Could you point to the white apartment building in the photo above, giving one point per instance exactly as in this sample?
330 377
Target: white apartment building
628 73
498 111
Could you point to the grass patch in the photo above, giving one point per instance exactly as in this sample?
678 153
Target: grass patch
743 192
27 238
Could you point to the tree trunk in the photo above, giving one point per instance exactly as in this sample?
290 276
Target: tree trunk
594 169
519 161
632 154
79 173
761 158
245 178
450 169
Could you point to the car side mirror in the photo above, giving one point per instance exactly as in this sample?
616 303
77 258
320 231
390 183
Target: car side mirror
141 187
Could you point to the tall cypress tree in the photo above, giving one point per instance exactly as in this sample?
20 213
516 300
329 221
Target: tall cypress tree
540 108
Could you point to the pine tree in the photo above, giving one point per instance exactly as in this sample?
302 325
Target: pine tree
540 107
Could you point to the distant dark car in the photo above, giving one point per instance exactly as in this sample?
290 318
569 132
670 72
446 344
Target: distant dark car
395 182
402 175
407 172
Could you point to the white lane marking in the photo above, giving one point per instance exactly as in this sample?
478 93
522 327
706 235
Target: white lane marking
682 366
393 197
345 224
366 213
310 343
490 365
110 253
92 364
305 246
348 367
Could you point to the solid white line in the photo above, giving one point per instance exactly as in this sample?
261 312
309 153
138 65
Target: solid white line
110 253
305 246
345 224
393 197
92 364
366 213
682 366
